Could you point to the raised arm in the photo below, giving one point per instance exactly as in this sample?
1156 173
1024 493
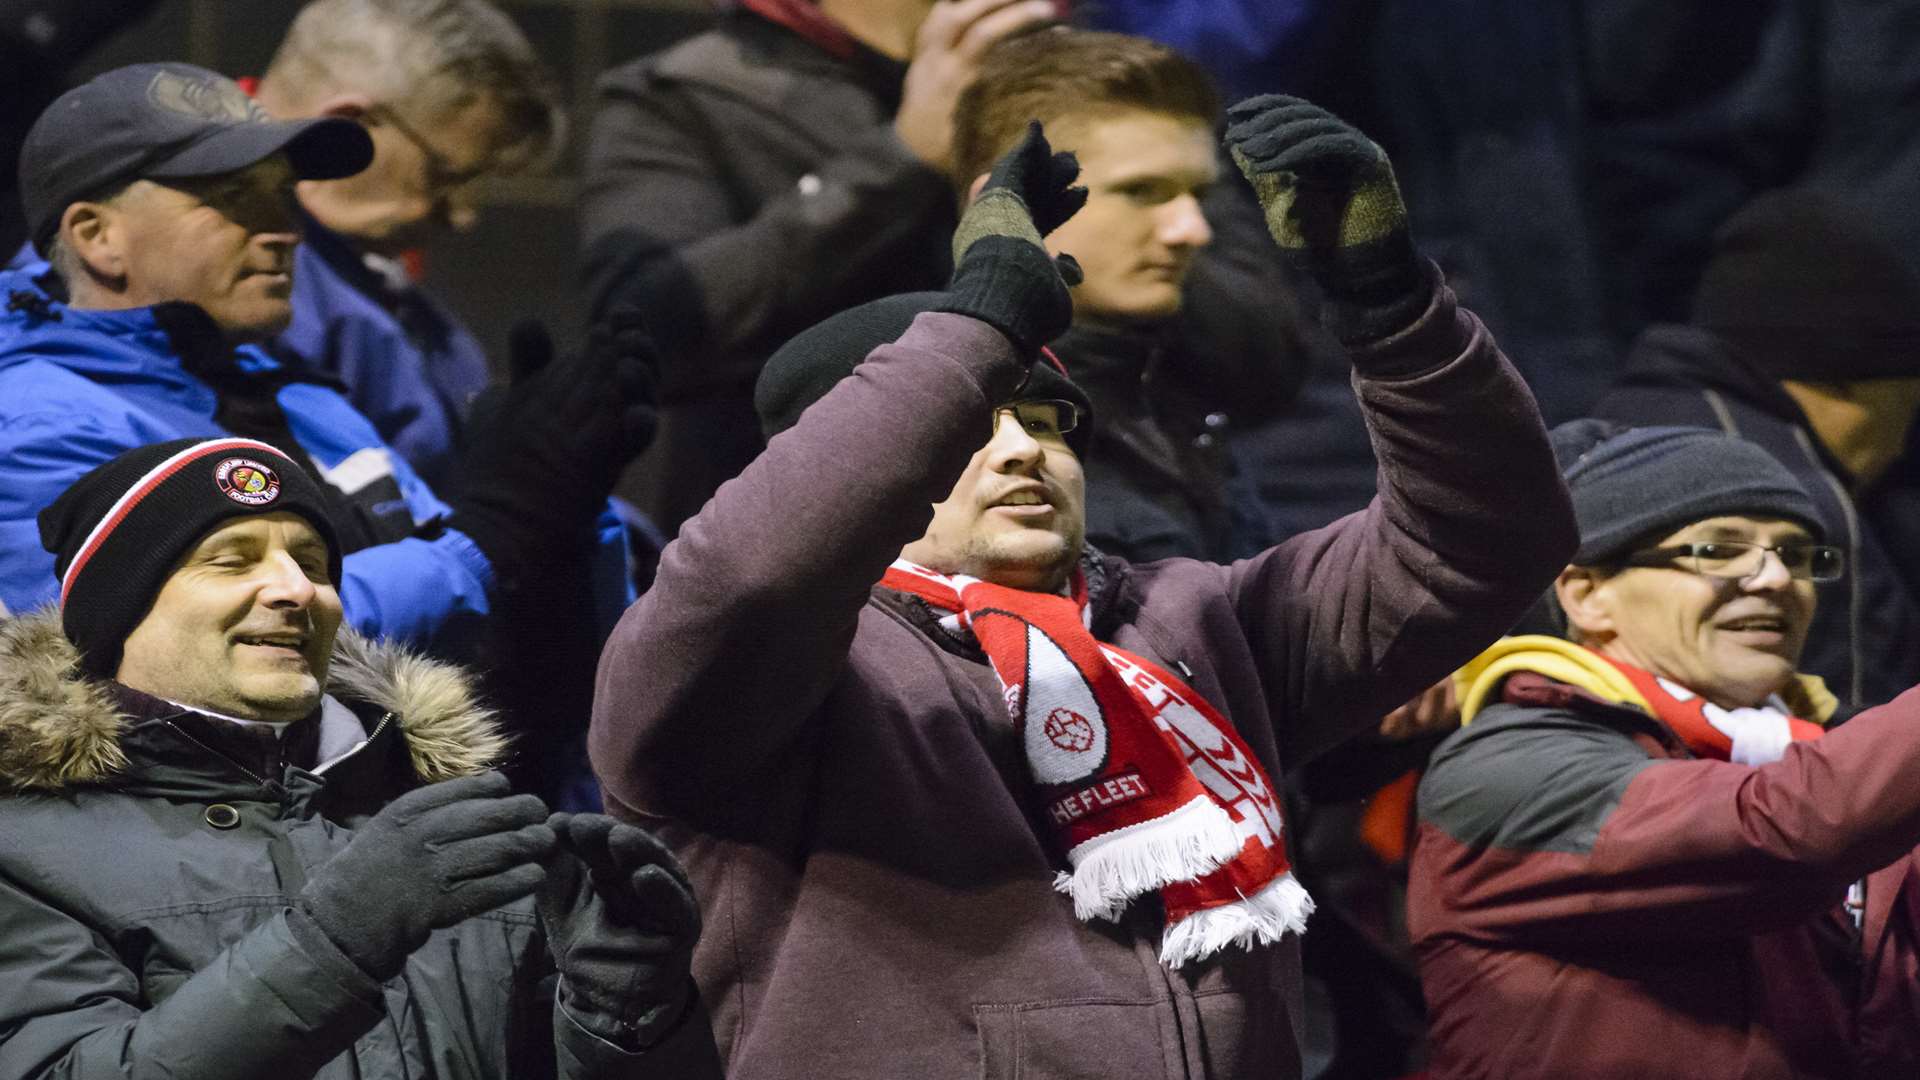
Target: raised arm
1556 828
710 676
668 225
1471 521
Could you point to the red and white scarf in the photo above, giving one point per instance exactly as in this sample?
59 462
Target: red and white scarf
1146 785
1749 736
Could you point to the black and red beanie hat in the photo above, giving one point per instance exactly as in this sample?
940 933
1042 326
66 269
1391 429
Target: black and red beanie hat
117 533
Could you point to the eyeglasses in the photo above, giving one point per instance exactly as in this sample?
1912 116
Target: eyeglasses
441 177
1046 418
1742 559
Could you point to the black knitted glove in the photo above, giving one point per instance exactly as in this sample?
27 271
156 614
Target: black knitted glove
1002 273
434 857
1333 207
621 925
544 452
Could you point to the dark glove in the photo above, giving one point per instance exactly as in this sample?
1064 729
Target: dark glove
1333 207
621 924
1002 273
544 452
431 858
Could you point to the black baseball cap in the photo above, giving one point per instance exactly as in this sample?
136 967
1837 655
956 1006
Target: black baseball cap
166 121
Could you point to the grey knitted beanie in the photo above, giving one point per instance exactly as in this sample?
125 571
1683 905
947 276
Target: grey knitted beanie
1631 485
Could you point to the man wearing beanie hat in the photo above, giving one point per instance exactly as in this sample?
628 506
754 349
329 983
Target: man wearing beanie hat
161 195
967 797
1805 339
1645 853
242 843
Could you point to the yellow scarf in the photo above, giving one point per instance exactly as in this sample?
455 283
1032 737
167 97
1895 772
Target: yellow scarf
1563 661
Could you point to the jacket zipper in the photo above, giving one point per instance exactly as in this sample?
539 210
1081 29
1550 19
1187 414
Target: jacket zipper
385 719
251 775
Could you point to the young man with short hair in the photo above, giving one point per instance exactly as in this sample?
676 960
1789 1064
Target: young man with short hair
1167 383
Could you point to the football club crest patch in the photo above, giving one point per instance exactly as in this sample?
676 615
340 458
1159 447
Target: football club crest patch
246 481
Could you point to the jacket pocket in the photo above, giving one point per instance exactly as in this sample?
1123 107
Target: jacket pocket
1072 1040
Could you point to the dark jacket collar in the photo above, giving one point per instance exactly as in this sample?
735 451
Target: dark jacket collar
1670 354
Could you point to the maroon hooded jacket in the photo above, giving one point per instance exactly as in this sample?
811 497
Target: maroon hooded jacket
848 792
1587 899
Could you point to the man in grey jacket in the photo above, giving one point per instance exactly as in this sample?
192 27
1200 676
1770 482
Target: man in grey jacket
877 789
761 176
239 846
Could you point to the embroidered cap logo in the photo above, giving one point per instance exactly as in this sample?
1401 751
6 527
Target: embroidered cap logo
203 99
246 481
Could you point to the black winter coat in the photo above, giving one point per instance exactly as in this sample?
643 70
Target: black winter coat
148 858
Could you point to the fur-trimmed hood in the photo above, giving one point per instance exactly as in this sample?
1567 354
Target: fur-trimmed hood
60 729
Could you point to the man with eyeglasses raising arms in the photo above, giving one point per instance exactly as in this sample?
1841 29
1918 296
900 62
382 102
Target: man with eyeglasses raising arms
968 798
1647 852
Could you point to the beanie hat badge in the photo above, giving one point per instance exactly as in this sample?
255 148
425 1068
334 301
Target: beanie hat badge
246 481
118 531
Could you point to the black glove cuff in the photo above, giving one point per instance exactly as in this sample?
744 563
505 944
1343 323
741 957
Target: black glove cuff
1013 286
648 1029
1374 290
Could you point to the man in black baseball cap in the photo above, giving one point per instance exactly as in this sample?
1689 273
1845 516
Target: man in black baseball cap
163 198
111 173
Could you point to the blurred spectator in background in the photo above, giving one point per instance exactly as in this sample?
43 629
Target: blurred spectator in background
749 182
39 41
1645 854
450 92
1805 339
162 196
1166 377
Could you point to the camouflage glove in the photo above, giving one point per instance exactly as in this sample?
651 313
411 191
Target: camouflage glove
1333 207
1002 273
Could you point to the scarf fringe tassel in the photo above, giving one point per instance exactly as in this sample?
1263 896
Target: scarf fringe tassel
1280 908
1113 868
